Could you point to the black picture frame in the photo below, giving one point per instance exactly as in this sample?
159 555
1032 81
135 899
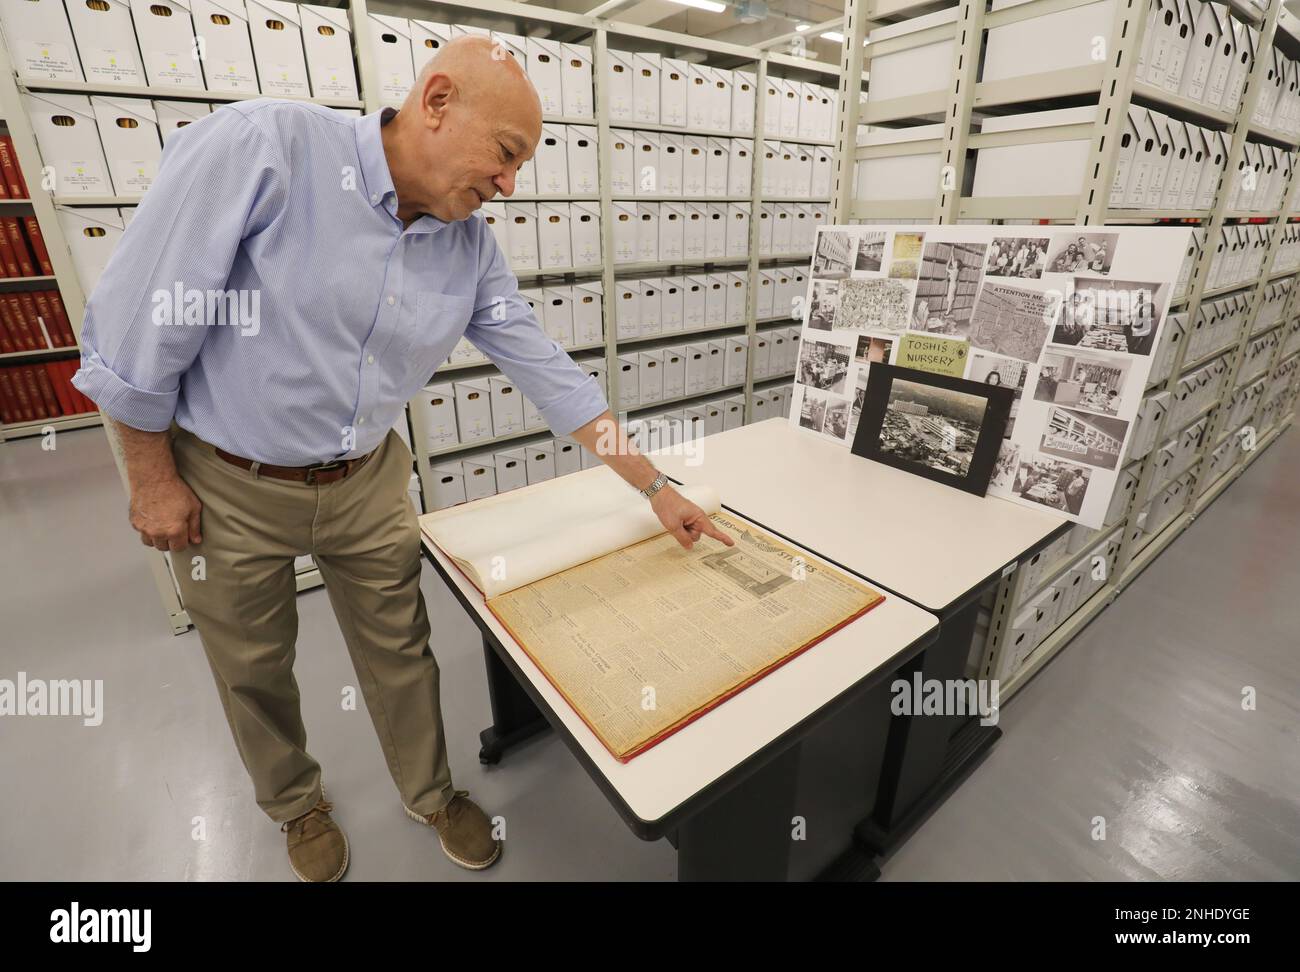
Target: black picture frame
870 440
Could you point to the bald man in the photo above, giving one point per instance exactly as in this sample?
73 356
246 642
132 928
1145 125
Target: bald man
291 279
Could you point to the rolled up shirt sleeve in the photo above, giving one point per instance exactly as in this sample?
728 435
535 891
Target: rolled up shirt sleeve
218 183
505 328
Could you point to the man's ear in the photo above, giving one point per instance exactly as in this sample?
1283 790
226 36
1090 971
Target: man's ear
438 93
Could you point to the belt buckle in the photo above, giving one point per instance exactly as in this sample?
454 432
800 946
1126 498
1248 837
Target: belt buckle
323 467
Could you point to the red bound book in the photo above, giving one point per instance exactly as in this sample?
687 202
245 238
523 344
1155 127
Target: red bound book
27 340
46 314
13 174
62 390
28 303
37 241
13 230
8 403
25 411
51 400
61 315
87 405
8 261
8 333
34 393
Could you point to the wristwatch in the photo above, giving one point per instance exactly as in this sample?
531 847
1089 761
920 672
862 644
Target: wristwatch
660 482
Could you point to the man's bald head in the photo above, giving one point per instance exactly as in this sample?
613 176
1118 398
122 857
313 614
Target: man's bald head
469 122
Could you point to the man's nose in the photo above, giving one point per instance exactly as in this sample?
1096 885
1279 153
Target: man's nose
506 182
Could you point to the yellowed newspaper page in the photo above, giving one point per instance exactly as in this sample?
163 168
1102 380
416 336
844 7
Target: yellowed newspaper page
512 539
645 639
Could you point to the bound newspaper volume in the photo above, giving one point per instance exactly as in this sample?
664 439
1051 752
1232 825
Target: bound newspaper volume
640 636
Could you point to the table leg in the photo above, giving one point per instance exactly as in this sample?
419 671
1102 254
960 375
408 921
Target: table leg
745 834
514 716
927 756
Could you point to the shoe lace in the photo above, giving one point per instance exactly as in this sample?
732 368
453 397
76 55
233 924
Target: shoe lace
323 807
456 796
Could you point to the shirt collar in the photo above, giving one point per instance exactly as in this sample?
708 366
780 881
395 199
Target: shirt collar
375 174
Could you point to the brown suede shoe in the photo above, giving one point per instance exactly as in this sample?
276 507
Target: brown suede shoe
464 831
318 848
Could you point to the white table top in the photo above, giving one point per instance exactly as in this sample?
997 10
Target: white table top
671 772
926 541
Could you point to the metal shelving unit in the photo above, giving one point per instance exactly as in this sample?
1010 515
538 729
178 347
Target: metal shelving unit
1112 86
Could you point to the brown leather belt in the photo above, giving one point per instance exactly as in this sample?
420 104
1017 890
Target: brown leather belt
318 474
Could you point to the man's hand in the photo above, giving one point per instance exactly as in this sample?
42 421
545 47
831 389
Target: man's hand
683 519
166 514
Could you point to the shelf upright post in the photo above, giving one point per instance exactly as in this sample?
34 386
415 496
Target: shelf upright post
755 228
848 109
605 178
956 123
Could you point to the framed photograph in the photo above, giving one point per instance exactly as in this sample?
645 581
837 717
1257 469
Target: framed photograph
946 429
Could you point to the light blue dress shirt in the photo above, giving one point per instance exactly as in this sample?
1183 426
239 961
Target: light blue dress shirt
324 314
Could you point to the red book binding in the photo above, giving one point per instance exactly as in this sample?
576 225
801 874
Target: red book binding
13 173
37 241
51 400
61 315
80 402
46 315
26 268
8 261
8 403
34 393
18 315
8 333
28 303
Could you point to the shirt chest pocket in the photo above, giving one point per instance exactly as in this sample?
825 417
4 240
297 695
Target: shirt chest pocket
431 331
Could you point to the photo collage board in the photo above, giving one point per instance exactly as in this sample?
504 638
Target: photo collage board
1066 316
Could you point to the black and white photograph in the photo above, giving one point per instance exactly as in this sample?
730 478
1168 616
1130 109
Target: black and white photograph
1091 439
871 252
835 254
1004 470
836 422
812 410
946 288
859 398
943 428
1013 321
1085 381
873 350
1017 256
822 365
1007 372
1082 252
1110 315
873 305
825 302
1052 482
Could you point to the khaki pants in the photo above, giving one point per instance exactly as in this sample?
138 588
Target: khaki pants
363 535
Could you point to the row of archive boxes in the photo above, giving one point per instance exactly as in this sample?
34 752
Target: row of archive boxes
561 73
1272 304
1051 606
1161 510
649 89
1259 355
546 235
570 314
1245 399
645 163
1177 455
1219 324
653 306
105 146
691 232
1197 50
469 410
498 471
1239 255
240 46
698 367
1287 254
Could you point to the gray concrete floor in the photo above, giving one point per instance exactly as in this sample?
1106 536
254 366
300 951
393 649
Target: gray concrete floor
1139 722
